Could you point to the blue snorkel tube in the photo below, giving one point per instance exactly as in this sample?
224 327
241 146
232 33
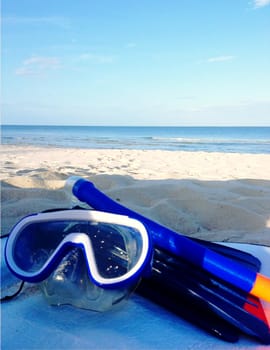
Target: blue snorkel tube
170 241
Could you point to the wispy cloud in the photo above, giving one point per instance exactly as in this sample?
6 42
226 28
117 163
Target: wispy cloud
96 58
47 20
261 3
38 65
220 59
130 45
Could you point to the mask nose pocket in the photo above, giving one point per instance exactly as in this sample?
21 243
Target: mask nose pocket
70 284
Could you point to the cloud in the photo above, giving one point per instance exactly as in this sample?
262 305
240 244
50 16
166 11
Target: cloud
38 65
95 58
47 20
130 45
220 59
261 3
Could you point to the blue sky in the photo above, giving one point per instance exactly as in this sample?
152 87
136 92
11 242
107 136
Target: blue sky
120 62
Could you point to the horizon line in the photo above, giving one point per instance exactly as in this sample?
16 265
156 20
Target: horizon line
140 126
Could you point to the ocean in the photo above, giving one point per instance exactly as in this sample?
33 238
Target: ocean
209 139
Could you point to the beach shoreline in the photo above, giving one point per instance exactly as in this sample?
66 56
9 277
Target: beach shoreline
140 164
214 196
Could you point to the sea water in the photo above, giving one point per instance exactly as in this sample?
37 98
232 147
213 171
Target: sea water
209 139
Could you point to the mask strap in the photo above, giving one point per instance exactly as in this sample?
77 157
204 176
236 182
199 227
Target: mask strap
9 297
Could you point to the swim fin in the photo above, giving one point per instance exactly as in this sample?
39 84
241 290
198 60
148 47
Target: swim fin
204 300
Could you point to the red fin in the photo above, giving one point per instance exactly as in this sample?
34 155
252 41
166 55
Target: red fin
254 306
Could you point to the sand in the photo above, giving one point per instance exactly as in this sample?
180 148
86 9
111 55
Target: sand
214 196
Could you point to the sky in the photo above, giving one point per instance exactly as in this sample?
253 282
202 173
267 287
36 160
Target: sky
136 62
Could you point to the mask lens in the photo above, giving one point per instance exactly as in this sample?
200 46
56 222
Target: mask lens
36 243
117 248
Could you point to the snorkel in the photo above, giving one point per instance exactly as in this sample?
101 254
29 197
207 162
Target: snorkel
177 244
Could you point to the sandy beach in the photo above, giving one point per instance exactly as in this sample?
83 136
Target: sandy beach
215 196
